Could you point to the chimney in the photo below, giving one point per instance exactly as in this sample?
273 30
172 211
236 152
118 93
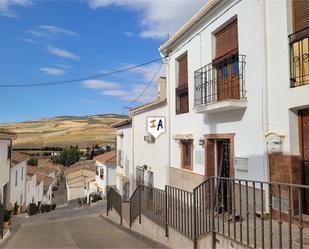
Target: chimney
161 88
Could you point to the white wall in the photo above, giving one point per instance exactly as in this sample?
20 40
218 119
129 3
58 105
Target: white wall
39 192
246 124
154 155
283 101
125 144
18 185
30 189
4 166
109 177
99 181
47 197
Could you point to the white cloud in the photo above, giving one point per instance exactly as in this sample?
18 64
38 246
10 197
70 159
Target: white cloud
53 30
62 53
158 18
52 71
49 31
133 93
100 85
6 6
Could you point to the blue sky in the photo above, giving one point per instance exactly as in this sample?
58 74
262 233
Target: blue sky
47 41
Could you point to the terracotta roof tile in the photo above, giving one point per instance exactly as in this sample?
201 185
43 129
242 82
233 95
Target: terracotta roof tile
107 157
18 157
89 165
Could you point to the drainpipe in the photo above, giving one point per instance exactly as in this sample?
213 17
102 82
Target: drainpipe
168 95
265 97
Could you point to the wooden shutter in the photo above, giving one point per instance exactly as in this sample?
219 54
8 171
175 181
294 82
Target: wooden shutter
300 14
227 40
183 70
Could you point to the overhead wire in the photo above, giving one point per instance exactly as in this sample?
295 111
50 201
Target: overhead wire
78 79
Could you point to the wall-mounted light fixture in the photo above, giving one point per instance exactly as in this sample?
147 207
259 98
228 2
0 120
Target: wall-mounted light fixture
201 141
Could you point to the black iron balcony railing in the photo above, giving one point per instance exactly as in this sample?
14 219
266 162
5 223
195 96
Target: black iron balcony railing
299 57
220 80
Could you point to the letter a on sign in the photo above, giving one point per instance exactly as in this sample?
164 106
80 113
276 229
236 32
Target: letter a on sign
156 126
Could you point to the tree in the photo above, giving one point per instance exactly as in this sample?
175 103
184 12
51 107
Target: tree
108 148
32 161
68 156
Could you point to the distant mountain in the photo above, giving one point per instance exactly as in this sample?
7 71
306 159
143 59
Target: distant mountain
63 131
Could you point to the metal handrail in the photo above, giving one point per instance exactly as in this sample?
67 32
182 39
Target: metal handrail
114 200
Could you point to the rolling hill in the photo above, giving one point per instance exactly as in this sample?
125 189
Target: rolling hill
63 131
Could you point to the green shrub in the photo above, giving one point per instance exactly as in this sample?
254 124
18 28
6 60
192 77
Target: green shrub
32 161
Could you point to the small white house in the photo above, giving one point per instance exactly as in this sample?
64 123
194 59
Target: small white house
124 169
77 179
150 153
47 185
105 171
18 180
6 138
30 187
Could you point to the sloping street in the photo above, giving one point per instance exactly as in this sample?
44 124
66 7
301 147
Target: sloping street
70 227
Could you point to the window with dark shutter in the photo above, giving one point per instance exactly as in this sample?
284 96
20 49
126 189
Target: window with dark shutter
227 41
226 62
182 96
300 14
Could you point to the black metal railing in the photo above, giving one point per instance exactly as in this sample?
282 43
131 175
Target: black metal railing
153 204
220 80
182 99
256 214
299 57
1 220
114 200
180 211
135 205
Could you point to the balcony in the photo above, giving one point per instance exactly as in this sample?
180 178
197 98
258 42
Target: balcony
219 86
299 58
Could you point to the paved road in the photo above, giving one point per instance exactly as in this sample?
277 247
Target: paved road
82 228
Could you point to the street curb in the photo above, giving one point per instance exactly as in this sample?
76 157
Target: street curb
139 236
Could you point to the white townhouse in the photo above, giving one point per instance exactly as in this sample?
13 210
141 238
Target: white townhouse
142 158
124 170
238 91
47 187
39 176
80 178
31 183
150 153
6 138
106 168
18 180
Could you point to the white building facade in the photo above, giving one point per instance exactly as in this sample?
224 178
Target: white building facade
124 170
30 189
151 154
238 81
18 180
106 168
6 138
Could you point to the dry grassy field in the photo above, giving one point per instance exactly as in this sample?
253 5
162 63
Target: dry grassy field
64 131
